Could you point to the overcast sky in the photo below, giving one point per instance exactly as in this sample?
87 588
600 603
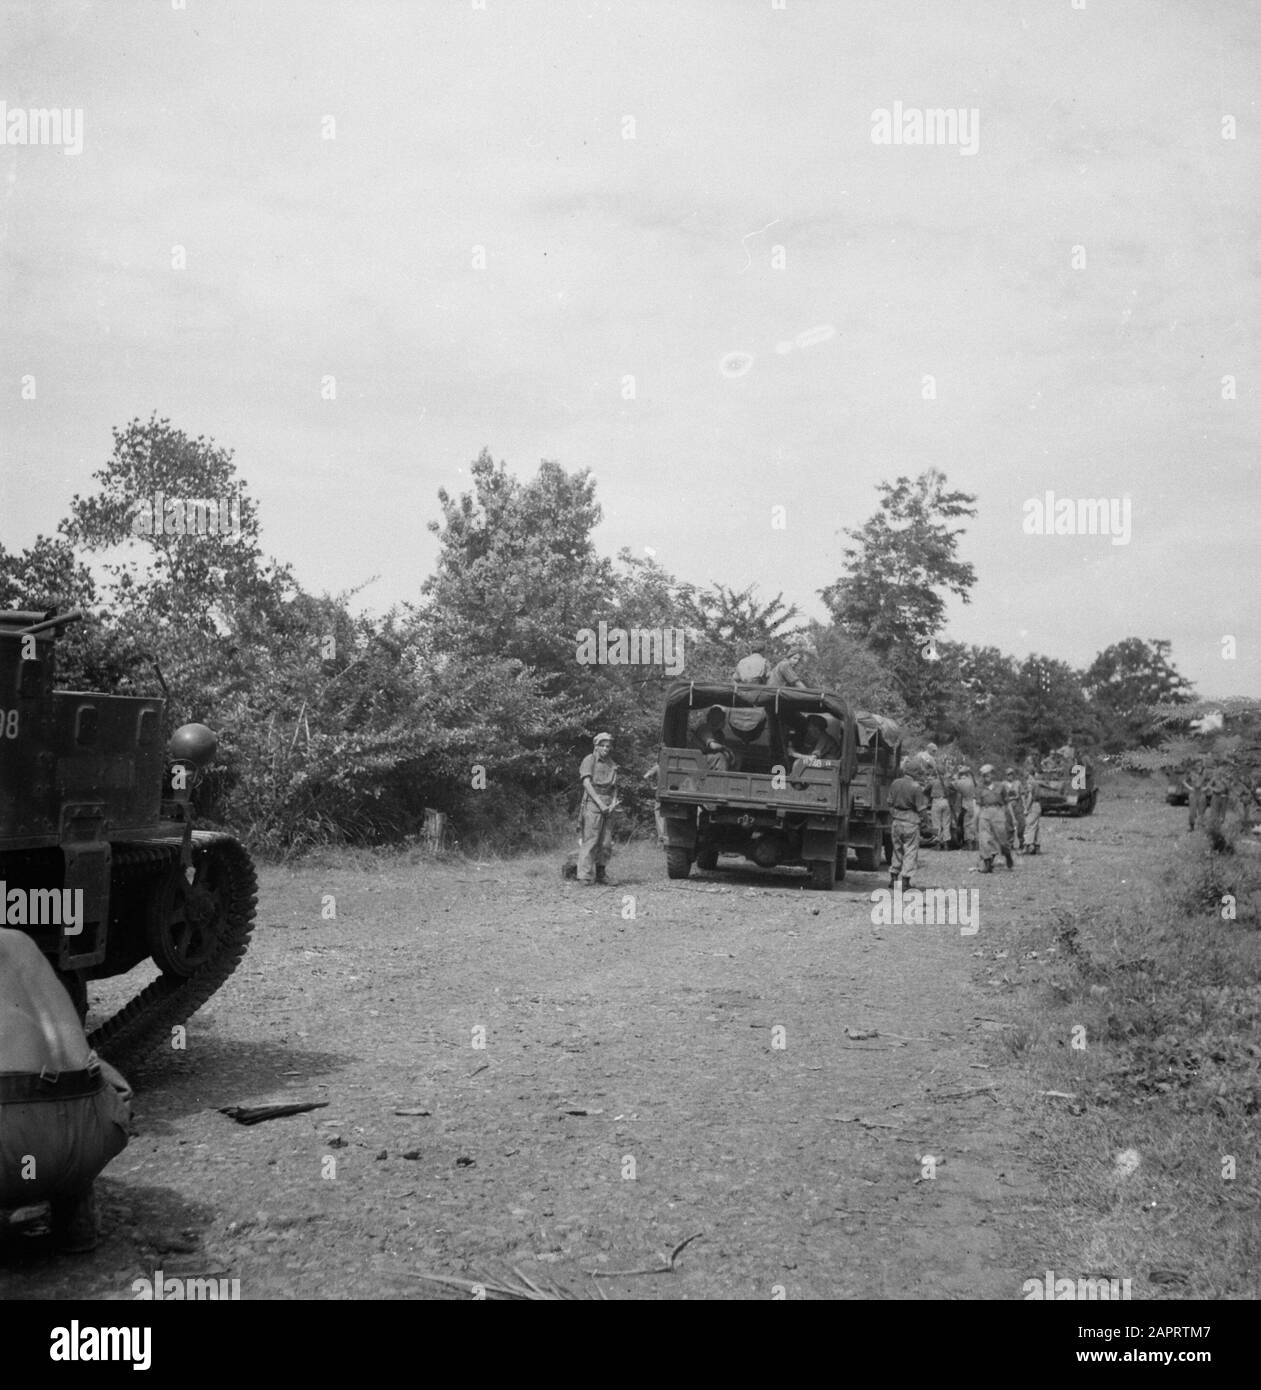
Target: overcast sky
794 377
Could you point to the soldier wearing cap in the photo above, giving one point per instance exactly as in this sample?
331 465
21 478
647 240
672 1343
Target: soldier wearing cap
598 775
991 802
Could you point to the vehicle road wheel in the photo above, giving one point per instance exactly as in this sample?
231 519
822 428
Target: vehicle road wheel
1090 802
823 874
868 860
678 863
187 921
707 858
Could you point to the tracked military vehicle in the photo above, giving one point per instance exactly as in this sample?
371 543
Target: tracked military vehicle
1065 784
99 859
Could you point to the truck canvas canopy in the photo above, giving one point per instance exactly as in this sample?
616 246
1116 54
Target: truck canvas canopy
782 704
870 726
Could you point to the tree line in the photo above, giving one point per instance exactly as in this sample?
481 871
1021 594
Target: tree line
471 699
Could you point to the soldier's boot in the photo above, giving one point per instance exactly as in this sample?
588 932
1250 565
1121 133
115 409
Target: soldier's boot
906 882
1008 858
600 876
987 866
75 1226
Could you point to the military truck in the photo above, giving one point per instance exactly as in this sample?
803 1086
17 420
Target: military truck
99 859
757 797
1065 784
879 759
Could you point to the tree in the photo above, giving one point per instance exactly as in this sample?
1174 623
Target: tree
727 623
1051 708
856 672
904 559
518 576
1127 681
183 581
49 575
969 697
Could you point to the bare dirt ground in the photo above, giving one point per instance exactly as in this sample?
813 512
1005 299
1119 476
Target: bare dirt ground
632 1089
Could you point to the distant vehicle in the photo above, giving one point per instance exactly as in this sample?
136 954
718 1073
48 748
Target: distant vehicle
879 754
758 800
1176 794
1066 786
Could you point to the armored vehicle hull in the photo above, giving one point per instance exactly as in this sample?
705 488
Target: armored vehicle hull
99 860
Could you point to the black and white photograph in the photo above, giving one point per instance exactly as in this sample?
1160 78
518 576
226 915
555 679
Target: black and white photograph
629 660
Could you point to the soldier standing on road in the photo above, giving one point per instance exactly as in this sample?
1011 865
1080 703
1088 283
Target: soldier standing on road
1015 808
965 788
1033 812
598 775
939 807
906 801
992 821
1194 784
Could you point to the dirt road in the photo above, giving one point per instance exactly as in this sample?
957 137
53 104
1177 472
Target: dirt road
740 1058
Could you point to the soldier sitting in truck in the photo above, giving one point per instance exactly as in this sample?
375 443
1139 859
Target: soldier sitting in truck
818 743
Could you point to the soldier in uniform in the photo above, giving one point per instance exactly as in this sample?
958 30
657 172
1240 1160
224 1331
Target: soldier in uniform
598 775
965 789
992 821
1033 812
939 807
1015 808
753 669
1194 784
791 670
906 801
64 1113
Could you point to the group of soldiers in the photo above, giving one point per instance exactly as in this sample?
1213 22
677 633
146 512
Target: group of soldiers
988 814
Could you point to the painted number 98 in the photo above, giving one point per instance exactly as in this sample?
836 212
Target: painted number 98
8 724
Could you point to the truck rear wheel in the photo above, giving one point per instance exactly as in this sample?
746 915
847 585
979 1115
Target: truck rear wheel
867 858
678 863
707 858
